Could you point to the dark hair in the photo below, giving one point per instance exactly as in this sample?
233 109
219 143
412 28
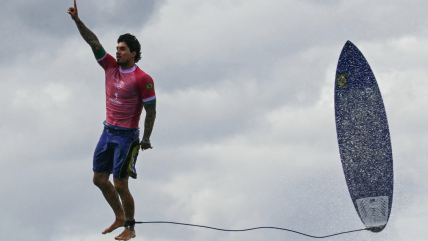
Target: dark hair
133 44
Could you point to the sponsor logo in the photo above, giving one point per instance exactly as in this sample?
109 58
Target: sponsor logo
149 86
342 80
115 101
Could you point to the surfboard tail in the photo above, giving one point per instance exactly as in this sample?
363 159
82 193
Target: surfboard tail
374 212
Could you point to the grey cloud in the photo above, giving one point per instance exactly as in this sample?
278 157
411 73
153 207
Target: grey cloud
43 26
322 27
50 18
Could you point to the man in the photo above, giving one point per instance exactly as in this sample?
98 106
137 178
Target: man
128 90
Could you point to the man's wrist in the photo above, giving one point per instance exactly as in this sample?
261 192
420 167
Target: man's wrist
145 141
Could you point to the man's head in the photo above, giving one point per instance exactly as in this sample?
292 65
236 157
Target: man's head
128 49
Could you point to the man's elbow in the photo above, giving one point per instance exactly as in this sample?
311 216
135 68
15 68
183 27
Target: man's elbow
95 46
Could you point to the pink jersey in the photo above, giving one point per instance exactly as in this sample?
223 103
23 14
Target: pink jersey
126 92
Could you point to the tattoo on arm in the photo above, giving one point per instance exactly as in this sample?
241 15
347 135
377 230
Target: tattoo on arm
150 120
88 36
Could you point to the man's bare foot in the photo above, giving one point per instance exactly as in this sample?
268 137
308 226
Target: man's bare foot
127 234
117 224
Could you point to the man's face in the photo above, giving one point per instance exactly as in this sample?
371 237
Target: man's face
123 55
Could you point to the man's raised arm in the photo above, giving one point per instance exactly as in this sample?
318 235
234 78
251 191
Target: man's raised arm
87 34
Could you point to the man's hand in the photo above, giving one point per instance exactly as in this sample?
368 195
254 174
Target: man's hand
87 34
145 145
73 12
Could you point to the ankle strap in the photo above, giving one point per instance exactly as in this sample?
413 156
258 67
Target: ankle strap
130 224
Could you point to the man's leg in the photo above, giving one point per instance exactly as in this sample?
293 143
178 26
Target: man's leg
101 180
121 186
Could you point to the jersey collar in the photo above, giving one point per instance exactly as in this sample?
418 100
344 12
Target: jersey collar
125 71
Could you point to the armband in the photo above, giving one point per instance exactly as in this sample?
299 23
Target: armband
99 54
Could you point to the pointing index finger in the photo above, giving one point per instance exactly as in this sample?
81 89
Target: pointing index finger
75 7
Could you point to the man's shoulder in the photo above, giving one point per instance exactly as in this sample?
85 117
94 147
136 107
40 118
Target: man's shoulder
107 62
142 76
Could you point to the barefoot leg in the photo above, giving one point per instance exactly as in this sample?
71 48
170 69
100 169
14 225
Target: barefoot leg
121 186
122 189
101 180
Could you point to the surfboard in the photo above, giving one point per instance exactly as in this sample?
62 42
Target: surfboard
364 138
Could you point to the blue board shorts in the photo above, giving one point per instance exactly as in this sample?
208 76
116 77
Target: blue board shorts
117 151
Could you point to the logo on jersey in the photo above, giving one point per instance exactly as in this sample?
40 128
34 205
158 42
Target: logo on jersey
149 86
115 101
119 85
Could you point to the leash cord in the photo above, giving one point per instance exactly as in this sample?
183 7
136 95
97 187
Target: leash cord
243 230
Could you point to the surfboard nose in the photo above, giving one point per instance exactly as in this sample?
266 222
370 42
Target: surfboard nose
349 46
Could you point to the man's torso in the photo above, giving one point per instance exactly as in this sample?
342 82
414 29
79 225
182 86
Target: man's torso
126 90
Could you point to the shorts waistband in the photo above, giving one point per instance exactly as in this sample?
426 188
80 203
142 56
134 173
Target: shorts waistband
109 127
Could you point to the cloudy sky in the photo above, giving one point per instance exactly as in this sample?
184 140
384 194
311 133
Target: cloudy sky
245 133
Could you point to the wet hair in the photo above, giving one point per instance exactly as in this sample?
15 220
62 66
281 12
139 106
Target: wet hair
133 44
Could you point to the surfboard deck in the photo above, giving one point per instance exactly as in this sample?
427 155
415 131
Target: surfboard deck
364 138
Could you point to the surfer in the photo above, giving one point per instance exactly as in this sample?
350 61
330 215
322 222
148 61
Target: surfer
128 91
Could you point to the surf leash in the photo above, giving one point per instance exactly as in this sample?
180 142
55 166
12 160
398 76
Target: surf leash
249 229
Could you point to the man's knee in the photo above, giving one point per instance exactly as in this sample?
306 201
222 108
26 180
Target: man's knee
100 179
121 186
